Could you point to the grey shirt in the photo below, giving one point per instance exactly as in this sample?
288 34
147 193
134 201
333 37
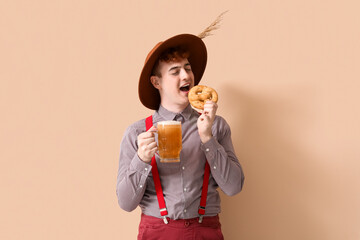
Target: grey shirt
182 181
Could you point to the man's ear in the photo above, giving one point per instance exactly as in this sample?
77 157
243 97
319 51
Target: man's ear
155 81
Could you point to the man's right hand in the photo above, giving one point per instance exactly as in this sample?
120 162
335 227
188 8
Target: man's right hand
147 144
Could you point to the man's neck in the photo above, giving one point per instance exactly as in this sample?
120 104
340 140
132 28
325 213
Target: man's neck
175 108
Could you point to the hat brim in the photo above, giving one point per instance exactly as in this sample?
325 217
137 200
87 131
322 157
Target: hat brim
148 94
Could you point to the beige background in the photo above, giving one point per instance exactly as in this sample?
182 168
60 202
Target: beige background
287 73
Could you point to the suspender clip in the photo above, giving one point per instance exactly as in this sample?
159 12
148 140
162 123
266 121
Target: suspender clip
165 220
201 218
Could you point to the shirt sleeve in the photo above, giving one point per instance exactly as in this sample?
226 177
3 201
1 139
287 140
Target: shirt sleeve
132 172
224 165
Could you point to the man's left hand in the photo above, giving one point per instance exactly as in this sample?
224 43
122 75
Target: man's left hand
206 120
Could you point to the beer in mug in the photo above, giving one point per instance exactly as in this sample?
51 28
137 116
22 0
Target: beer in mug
170 141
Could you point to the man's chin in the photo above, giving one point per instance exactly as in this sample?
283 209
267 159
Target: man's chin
184 102
184 94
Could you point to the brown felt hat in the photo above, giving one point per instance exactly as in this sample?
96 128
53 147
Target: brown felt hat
149 96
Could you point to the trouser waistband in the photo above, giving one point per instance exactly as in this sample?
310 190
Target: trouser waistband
207 221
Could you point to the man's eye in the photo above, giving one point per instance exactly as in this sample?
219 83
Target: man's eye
188 69
175 73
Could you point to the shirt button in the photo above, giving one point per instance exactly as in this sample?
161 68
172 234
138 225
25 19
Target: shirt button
140 186
183 168
207 149
184 210
185 189
214 167
146 169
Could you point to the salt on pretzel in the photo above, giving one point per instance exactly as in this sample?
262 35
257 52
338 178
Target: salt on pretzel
199 94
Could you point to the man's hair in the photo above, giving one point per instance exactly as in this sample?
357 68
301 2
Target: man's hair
169 55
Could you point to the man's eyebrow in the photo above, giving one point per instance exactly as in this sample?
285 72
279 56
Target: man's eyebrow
173 68
177 67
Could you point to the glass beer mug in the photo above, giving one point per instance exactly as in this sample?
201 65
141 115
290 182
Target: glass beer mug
170 140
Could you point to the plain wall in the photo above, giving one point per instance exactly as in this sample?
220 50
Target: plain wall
287 74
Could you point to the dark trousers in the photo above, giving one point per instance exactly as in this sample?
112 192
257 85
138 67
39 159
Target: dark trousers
184 229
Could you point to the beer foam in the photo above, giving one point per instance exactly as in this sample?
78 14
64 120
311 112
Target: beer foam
169 123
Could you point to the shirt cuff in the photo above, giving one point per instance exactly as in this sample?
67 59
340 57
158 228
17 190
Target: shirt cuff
140 166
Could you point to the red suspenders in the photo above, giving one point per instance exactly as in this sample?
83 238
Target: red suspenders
155 173
158 188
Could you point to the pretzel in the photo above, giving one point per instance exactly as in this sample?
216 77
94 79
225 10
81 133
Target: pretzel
199 94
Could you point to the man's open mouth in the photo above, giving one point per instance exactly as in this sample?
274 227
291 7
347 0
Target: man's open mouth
185 88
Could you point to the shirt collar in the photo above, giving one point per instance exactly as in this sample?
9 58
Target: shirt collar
168 115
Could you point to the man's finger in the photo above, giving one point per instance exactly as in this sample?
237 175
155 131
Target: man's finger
149 133
204 117
152 129
152 145
147 141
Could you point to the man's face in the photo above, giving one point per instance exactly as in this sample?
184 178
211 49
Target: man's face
175 82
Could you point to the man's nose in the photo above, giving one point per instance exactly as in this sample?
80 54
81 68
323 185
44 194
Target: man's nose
184 74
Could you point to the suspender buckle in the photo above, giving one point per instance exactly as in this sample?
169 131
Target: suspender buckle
201 212
165 220
201 218
163 211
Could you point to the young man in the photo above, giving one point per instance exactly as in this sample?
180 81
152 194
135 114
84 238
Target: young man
180 208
